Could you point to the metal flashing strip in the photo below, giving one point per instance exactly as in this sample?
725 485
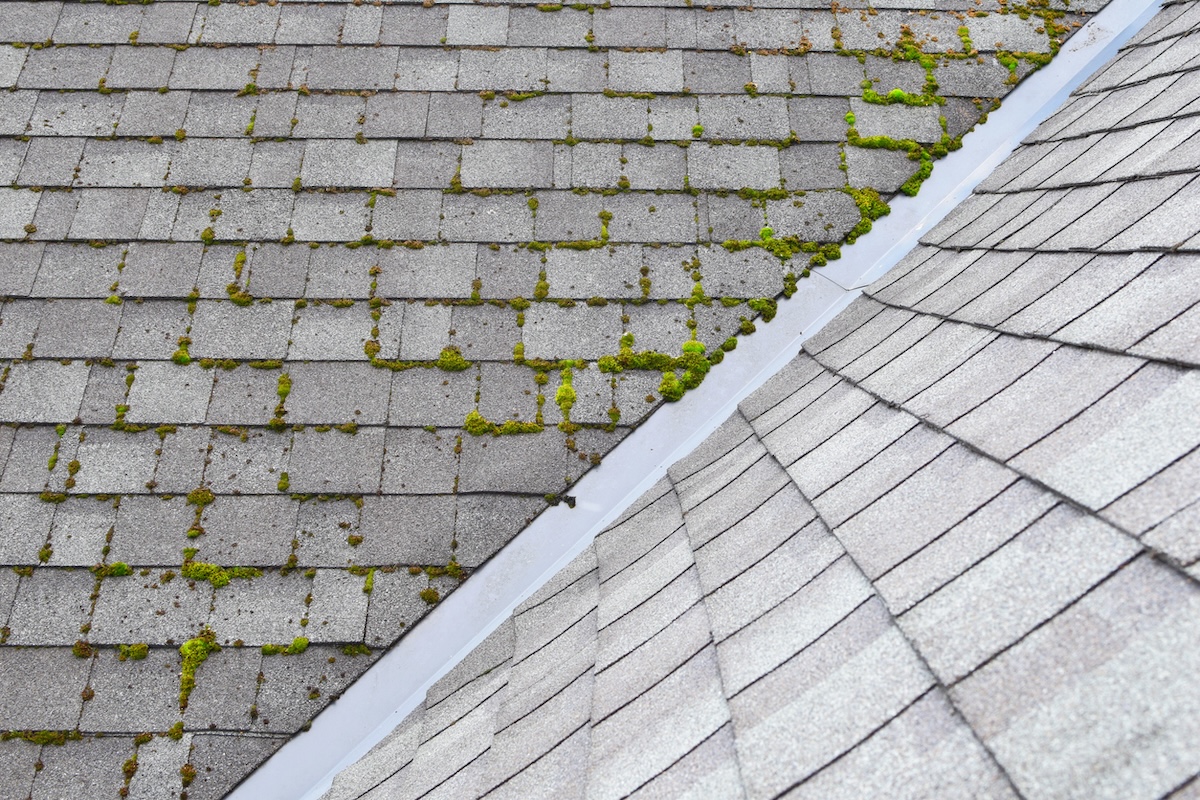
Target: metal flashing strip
383 696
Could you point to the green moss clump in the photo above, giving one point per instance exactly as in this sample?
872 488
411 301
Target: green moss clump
430 595
451 360
200 497
132 652
356 649
670 388
194 653
82 649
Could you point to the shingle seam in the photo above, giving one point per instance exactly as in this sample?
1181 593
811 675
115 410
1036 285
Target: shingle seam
545 600
555 637
1103 512
764 433
1161 327
656 593
797 530
428 734
691 655
751 420
882 454
549 750
751 512
810 451
737 762
1133 84
644 555
766 453
817 638
648 689
1073 503
937 683
1061 342
1053 616
816 576
997 545
657 633
431 708
438 785
571 682
1188 507
859 742
1114 182
679 479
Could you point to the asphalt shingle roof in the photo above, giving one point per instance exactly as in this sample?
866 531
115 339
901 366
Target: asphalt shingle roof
950 551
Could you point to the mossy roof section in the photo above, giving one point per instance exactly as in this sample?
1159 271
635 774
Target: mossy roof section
309 308
958 531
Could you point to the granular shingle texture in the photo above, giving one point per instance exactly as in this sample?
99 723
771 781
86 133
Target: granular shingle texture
307 308
950 551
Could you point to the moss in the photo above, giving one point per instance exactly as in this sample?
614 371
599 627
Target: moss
765 306
176 732
82 649
200 497
356 649
670 388
284 482
194 652
132 652
451 360
430 595
45 737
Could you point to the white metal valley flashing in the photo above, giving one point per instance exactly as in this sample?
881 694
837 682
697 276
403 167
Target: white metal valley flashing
379 700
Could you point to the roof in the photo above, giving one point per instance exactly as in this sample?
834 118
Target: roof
311 307
951 550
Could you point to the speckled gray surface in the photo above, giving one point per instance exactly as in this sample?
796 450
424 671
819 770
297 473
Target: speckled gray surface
950 551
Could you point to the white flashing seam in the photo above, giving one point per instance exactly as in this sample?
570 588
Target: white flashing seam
386 693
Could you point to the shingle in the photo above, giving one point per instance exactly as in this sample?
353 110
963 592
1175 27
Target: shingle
131 610
1037 403
759 533
853 679
556 773
1031 278
91 765
636 627
926 750
548 670
711 767
219 757
817 605
824 417
652 732
132 695
1133 433
1122 206
1122 653
894 464
979 378
632 586
525 741
922 508
964 544
1178 340
1027 581
447 711
736 500
798 372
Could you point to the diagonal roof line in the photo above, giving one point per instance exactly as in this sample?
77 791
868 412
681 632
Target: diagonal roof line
397 683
